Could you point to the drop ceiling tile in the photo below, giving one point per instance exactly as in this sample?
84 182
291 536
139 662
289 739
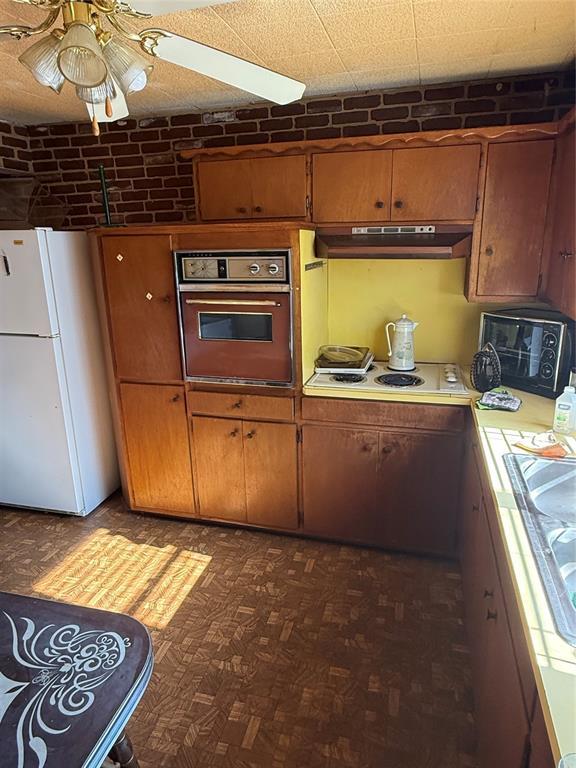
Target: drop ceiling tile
550 36
325 7
329 85
445 17
434 50
307 65
282 27
525 62
364 28
525 13
387 55
386 78
453 71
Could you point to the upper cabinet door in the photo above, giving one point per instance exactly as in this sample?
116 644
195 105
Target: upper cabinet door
515 204
351 186
561 277
260 188
224 188
278 187
435 184
139 276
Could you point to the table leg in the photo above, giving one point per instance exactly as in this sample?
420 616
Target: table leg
122 752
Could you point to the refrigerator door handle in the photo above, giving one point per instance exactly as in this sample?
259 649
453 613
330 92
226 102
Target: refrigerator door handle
6 263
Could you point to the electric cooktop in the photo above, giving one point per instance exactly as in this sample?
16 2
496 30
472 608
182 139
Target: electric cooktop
426 378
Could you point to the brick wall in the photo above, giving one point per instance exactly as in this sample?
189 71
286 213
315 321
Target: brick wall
14 150
150 184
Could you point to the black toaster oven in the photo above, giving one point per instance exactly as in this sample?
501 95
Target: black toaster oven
535 347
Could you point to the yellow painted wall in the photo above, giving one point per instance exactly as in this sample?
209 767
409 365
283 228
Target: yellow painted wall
313 303
366 294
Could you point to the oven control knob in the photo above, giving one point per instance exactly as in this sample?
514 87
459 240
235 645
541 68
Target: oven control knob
273 269
254 269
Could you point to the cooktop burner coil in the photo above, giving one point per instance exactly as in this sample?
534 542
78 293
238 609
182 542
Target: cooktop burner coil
399 380
348 378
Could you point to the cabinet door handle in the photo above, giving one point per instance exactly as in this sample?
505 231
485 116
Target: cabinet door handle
257 209
568 255
379 204
488 593
489 251
491 615
175 398
241 209
234 433
237 404
250 434
6 264
398 204
475 509
387 449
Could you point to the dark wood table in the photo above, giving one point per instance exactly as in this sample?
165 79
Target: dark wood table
70 677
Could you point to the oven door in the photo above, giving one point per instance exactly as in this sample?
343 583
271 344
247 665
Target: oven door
244 337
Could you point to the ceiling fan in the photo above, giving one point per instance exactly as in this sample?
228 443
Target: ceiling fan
104 69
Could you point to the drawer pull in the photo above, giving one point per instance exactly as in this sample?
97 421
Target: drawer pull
491 615
237 404
175 398
257 209
234 433
235 302
488 593
250 434
241 209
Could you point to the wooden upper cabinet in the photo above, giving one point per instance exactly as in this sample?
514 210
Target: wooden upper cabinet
256 188
140 292
157 448
561 274
513 220
351 186
435 183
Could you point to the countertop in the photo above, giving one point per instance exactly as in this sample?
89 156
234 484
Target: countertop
553 659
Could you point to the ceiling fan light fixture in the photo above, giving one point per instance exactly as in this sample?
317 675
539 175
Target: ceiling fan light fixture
42 61
80 57
98 94
129 68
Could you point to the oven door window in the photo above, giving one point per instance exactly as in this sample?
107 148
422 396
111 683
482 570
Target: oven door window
235 326
520 346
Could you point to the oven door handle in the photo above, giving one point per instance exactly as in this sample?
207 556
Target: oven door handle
235 302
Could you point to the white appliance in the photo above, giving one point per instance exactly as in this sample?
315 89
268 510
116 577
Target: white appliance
401 350
57 447
426 378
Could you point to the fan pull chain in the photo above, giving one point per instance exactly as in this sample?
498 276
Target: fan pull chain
109 110
95 126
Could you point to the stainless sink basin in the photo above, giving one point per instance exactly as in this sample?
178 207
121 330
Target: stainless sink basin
545 492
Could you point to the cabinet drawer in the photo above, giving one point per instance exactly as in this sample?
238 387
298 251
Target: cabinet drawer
241 406
447 418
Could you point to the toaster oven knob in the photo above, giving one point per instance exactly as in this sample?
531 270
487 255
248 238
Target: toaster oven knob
273 269
254 269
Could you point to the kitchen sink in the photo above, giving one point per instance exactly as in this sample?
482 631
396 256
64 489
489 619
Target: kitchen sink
545 491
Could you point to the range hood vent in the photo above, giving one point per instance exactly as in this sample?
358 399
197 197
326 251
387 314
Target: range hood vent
394 242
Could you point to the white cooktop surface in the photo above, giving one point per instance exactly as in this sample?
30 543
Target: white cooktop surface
434 380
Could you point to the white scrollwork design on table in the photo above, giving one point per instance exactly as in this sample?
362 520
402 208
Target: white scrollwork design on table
70 664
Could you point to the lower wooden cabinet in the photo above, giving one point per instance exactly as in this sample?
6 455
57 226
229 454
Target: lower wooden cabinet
246 471
157 448
502 724
392 489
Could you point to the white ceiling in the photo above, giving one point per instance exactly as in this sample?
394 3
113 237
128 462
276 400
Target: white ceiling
332 45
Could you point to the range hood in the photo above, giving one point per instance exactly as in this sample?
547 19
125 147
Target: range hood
394 242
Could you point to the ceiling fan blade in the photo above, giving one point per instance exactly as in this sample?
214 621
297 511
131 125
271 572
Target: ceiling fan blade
119 109
229 69
161 7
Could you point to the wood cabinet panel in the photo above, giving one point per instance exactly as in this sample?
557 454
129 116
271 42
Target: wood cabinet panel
449 418
224 189
241 406
541 755
157 448
363 487
513 220
219 464
278 187
271 474
339 476
139 280
435 183
561 274
257 188
351 186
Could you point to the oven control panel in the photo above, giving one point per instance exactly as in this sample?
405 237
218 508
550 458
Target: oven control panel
264 266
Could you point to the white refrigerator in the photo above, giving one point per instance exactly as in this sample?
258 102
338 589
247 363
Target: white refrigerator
57 447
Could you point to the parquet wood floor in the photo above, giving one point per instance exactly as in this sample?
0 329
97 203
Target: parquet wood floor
271 652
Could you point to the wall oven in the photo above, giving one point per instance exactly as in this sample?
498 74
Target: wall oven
236 315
